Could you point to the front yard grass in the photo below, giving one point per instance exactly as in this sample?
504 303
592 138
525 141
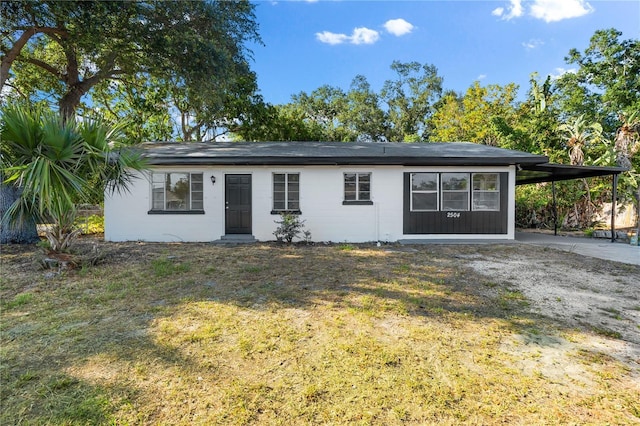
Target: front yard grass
271 334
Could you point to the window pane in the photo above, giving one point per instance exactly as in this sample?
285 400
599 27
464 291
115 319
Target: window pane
350 196
157 178
364 193
278 177
350 177
485 181
294 205
278 196
177 189
364 177
455 201
278 205
455 181
157 195
349 187
279 186
424 181
425 201
196 205
294 177
486 200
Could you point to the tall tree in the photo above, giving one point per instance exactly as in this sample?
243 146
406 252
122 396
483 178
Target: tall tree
75 45
325 106
478 116
362 112
410 99
606 82
265 122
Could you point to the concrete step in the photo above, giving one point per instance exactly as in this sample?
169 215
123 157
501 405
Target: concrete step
237 239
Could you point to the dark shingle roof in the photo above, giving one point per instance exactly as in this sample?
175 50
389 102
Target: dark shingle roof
335 153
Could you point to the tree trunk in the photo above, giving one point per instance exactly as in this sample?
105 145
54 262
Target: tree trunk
18 233
69 103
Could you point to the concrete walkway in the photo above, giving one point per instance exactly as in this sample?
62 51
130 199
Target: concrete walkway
594 247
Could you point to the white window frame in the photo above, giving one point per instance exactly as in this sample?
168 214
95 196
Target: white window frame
433 191
358 190
482 191
196 196
286 192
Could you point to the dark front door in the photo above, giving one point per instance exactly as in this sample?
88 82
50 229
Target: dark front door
237 204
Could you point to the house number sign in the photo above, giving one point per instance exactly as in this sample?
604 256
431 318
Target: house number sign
454 215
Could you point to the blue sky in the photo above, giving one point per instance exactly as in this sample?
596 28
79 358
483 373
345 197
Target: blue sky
308 44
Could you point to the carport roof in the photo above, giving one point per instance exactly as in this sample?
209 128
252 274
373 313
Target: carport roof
549 172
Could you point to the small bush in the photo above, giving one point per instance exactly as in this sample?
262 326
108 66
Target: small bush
290 227
93 224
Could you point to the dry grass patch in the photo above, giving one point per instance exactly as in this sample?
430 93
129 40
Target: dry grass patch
269 334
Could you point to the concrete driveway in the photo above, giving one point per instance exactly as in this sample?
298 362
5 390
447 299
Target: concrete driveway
594 247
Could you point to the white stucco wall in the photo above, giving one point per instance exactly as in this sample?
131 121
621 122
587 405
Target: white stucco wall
321 196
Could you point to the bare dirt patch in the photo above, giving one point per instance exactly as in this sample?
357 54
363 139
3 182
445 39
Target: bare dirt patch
598 296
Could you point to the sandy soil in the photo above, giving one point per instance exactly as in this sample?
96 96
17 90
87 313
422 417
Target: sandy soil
577 292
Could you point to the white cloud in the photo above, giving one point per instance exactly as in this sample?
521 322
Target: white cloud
398 27
534 43
547 10
481 77
361 35
557 10
364 35
514 10
331 38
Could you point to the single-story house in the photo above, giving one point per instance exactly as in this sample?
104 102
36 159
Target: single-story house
345 192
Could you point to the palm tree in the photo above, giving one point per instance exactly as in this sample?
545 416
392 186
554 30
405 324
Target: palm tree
579 135
52 165
627 144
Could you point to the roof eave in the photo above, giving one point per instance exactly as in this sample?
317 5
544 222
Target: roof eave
347 161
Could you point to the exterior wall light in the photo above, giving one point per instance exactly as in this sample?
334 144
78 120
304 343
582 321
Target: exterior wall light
213 180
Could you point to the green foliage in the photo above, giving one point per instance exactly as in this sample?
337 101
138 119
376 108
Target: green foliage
187 55
607 80
480 116
398 113
290 227
409 100
57 164
93 224
278 123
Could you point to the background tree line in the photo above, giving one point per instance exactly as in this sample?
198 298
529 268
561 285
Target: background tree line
181 71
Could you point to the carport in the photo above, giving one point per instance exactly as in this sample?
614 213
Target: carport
548 172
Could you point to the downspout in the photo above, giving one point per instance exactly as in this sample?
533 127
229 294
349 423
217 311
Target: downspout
555 208
614 195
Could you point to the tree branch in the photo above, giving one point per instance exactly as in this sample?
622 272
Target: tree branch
45 66
12 54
